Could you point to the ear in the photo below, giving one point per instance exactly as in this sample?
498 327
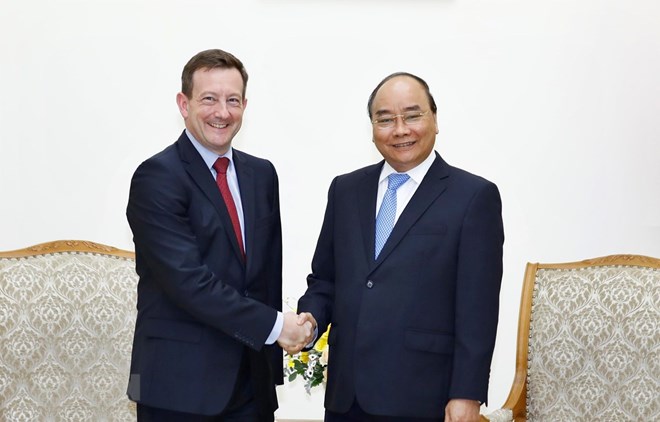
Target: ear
183 102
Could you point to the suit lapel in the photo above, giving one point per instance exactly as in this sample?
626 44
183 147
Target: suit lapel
434 184
247 185
201 175
366 199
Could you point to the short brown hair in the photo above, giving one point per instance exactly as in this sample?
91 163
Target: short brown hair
210 59
421 81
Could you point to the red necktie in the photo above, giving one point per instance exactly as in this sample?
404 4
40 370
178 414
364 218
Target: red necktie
220 166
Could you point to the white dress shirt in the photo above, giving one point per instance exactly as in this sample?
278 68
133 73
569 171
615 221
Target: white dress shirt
405 191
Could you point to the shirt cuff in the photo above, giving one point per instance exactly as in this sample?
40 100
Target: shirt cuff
277 329
316 336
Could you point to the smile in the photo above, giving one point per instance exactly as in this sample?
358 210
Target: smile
404 145
218 125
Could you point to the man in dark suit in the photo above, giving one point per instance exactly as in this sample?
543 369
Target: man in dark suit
206 225
407 268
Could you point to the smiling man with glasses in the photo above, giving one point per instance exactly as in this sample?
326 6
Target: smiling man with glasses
407 268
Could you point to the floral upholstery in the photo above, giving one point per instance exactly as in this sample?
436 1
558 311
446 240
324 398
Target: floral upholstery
67 314
593 342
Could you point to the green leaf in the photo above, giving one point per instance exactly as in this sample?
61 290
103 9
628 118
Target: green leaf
299 365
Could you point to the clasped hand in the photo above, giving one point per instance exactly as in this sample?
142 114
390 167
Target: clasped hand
297 332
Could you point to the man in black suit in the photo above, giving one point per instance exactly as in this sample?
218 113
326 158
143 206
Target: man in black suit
407 268
206 225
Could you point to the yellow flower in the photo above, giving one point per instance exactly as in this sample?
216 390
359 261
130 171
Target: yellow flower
311 365
323 340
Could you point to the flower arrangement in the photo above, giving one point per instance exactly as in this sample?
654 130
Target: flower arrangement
310 365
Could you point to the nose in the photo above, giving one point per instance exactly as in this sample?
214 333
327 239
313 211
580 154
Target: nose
221 110
400 128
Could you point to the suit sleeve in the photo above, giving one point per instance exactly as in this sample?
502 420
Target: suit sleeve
319 297
479 278
170 256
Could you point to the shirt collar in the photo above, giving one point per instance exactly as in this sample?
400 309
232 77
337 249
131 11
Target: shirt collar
416 173
208 156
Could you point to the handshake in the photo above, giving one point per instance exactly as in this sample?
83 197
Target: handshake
297 332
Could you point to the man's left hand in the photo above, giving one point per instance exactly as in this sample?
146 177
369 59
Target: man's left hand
462 410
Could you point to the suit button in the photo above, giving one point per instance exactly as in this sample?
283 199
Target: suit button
370 284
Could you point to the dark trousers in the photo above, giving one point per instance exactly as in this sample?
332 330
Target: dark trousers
242 407
247 413
356 414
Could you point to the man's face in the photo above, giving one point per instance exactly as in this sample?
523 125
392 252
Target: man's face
215 112
404 146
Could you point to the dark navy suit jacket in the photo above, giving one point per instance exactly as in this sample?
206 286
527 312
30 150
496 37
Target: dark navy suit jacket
417 326
200 305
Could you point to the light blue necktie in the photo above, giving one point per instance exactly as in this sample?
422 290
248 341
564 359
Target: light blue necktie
387 211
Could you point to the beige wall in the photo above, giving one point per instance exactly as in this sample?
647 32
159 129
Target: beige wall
555 101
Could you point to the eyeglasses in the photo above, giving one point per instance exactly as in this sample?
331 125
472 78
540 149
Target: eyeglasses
410 118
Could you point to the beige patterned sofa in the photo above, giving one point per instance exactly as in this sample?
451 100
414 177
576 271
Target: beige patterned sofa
67 314
588 342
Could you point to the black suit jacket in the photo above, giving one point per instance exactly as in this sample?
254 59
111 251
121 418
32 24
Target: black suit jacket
417 326
199 304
